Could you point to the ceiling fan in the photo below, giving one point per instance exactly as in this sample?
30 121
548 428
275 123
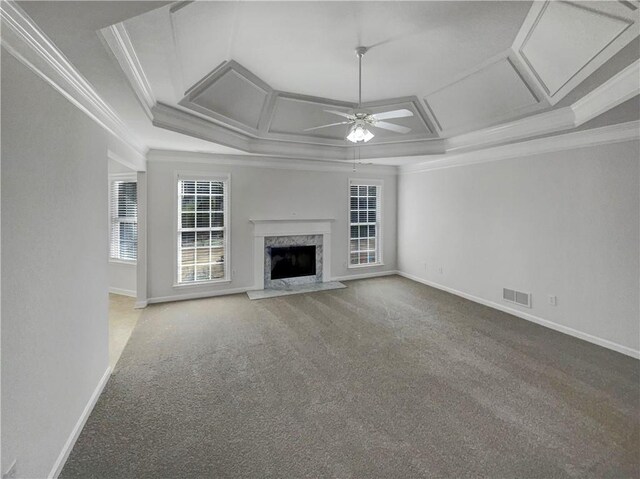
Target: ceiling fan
360 120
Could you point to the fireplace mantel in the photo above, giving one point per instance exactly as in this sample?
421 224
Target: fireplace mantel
289 227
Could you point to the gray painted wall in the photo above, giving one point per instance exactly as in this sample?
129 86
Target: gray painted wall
54 268
258 193
563 224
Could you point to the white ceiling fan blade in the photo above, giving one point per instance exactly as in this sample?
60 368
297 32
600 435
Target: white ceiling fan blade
327 126
336 112
390 126
387 115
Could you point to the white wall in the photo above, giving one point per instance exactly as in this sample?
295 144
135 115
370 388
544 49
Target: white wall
564 224
258 193
122 278
122 275
54 268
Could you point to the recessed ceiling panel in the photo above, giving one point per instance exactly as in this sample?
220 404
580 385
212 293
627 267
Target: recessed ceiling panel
483 97
234 97
292 115
563 42
229 93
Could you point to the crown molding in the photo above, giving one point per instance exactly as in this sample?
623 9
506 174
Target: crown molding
540 124
567 141
258 139
614 91
118 157
116 37
171 118
618 89
272 162
123 176
24 40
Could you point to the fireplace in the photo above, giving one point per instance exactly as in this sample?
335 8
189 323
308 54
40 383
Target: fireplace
293 261
291 232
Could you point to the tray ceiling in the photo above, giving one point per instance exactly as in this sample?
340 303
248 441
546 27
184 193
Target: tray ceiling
307 47
263 72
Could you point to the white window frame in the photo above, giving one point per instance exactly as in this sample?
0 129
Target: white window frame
194 176
379 221
129 178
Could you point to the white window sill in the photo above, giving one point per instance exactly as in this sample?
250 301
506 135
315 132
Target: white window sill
201 283
123 261
369 265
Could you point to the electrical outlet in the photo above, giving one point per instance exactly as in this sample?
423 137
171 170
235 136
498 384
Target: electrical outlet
425 265
553 300
440 270
11 472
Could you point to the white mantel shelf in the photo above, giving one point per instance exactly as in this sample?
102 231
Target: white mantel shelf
282 220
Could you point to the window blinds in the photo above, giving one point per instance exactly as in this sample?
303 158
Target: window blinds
202 231
124 220
364 225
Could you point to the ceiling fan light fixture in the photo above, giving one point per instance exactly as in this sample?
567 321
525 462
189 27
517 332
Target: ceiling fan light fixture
358 134
360 120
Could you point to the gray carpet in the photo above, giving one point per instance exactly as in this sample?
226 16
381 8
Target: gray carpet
385 379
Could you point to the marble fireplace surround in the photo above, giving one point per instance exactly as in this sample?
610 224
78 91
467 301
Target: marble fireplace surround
268 228
284 241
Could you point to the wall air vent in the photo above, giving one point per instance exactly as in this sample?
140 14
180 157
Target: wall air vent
518 297
509 295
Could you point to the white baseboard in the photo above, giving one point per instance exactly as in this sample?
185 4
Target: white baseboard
198 295
364 275
123 292
71 440
530 317
224 292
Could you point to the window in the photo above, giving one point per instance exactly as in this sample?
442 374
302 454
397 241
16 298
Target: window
124 220
202 230
364 239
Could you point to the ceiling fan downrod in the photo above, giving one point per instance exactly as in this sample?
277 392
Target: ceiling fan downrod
360 51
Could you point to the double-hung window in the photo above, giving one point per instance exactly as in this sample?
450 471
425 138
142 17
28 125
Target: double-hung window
202 229
365 220
123 207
